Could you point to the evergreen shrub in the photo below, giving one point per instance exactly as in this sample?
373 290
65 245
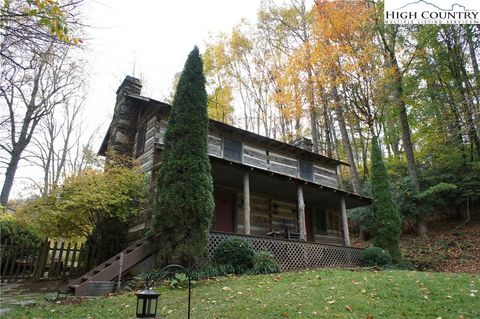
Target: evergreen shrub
265 264
376 256
236 253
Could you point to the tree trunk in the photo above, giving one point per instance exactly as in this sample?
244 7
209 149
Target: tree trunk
346 142
473 56
312 109
328 133
9 177
407 144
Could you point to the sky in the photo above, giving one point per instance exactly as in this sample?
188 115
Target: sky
148 39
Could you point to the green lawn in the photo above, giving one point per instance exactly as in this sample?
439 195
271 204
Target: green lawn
308 294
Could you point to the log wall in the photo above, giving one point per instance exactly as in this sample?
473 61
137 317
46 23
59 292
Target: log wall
262 221
254 155
261 156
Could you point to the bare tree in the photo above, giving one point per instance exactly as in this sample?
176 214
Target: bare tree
55 140
29 95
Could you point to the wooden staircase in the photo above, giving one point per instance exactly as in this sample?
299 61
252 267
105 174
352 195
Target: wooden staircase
109 269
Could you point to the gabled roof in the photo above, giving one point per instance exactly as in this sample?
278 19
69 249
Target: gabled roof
275 144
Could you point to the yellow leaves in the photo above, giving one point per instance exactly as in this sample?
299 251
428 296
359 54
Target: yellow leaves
50 15
239 42
220 104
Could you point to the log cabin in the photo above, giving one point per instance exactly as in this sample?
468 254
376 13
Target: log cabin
262 186
279 197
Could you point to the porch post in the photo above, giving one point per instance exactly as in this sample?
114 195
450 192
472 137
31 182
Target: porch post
346 234
246 203
301 214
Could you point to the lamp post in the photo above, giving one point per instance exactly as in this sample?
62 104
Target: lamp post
147 299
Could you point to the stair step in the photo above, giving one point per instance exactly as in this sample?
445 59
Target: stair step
141 251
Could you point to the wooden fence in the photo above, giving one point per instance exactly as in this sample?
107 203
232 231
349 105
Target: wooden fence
47 259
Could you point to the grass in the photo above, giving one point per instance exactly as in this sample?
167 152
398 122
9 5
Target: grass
308 294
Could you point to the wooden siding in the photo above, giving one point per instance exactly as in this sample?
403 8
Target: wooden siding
262 157
214 145
263 222
146 158
325 176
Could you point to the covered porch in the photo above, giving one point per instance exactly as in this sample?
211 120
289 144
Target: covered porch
255 201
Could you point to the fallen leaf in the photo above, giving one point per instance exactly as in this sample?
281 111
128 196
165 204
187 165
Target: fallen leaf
348 308
227 289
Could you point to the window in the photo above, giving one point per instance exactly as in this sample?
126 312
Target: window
320 220
306 170
232 150
141 139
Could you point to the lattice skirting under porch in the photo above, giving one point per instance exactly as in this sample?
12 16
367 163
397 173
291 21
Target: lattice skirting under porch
294 255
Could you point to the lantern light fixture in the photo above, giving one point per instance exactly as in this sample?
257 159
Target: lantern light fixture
147 302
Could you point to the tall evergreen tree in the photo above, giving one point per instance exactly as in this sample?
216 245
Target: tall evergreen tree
386 215
185 190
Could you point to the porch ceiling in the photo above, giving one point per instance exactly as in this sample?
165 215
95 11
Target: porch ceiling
230 174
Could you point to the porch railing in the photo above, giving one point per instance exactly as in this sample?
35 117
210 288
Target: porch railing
294 255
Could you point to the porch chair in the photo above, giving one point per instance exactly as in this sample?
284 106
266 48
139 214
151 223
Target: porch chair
291 235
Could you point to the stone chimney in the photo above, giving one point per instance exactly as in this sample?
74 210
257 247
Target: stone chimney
122 130
129 85
304 143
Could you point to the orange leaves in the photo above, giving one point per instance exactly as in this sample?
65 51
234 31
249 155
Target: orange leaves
343 34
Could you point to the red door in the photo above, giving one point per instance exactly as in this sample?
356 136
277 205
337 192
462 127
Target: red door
224 212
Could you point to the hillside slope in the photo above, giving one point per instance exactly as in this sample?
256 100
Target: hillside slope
448 248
